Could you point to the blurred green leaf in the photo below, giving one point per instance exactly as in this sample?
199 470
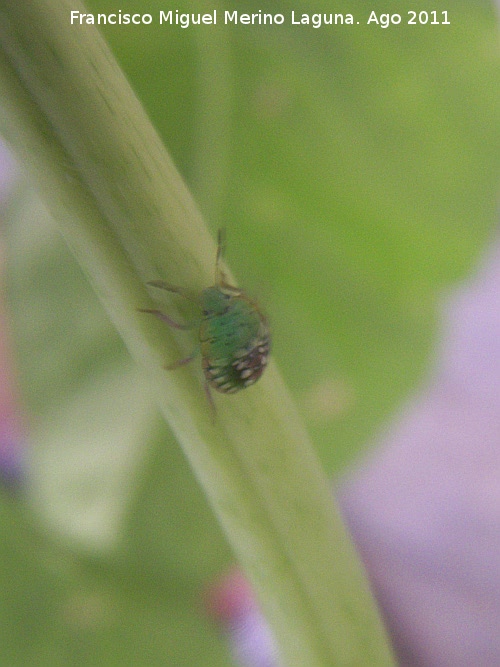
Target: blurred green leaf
368 162
368 159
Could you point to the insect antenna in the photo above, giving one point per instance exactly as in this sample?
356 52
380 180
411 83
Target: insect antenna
220 278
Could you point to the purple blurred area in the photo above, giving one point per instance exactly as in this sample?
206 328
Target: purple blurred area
424 509
230 602
11 432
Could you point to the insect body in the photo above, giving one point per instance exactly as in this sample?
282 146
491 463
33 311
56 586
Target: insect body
234 335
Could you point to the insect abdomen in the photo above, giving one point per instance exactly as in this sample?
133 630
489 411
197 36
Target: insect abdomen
235 345
229 375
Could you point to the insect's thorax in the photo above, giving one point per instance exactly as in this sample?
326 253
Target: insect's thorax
230 322
214 300
234 338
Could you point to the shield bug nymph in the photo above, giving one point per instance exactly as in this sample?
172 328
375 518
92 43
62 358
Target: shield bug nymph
234 335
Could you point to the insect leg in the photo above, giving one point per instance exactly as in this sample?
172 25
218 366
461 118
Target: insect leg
165 318
182 362
161 284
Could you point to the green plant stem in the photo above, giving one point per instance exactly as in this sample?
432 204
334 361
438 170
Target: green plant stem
129 218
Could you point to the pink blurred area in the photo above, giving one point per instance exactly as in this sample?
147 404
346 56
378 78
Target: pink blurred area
424 507
11 431
231 603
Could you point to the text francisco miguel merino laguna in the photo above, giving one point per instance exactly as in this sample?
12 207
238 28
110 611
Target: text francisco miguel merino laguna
230 17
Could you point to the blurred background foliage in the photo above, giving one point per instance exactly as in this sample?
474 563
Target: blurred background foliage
356 170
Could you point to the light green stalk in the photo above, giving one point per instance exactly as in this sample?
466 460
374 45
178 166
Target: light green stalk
129 218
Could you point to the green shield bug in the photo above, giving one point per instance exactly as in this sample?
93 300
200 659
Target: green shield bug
234 335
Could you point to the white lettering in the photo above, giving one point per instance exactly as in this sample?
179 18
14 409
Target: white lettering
318 20
230 18
185 20
385 19
111 19
165 18
253 19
